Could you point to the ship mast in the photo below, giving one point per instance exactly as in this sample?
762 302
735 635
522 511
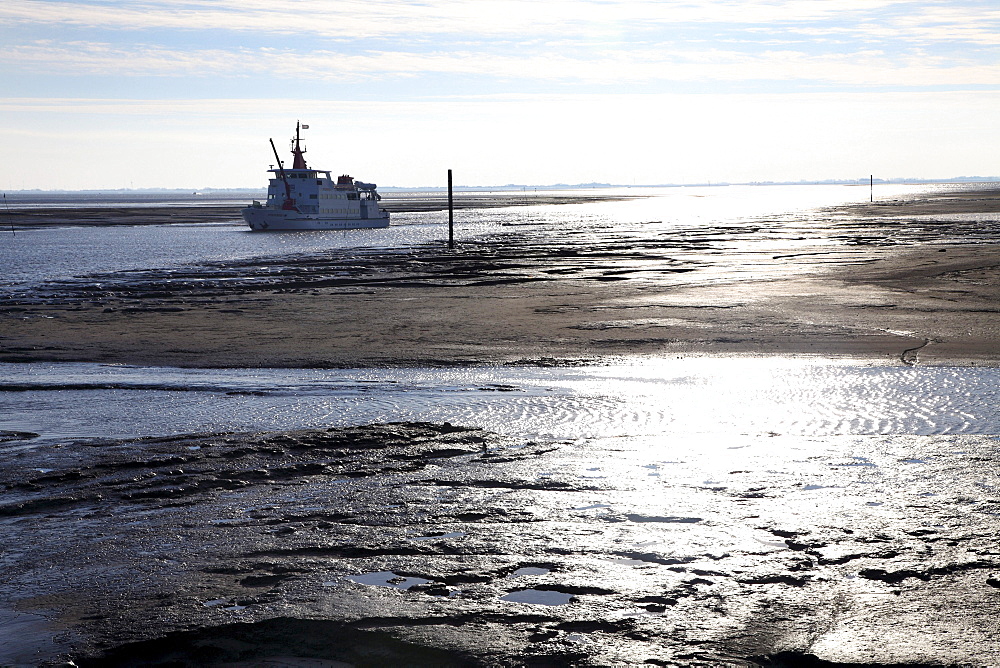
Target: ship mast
298 162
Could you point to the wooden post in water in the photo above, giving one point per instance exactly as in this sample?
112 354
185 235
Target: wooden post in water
871 188
9 217
451 215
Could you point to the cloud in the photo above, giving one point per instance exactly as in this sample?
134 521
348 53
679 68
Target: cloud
951 23
839 43
611 67
512 19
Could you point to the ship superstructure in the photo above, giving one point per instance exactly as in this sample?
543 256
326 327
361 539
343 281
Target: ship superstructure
302 198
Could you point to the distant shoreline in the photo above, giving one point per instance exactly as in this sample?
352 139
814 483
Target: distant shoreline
950 201
94 216
520 187
958 200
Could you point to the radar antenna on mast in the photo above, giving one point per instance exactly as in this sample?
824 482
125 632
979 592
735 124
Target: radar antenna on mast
298 162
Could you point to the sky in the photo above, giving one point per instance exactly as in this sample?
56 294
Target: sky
109 94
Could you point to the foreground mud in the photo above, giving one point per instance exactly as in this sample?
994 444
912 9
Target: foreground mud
434 545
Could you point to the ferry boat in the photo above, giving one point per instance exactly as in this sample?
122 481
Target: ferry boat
302 198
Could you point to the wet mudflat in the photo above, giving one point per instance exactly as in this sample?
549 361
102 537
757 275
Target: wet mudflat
424 543
432 544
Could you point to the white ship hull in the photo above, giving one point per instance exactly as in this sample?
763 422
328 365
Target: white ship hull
264 219
301 198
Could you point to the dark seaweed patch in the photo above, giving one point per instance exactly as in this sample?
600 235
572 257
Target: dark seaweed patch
255 643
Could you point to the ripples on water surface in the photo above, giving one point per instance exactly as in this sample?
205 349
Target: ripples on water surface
669 397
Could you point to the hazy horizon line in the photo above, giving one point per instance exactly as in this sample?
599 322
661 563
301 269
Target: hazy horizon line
553 186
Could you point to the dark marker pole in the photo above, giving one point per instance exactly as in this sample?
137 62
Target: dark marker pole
9 217
451 215
871 188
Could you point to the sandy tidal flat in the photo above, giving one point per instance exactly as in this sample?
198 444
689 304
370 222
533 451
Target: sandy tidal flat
888 282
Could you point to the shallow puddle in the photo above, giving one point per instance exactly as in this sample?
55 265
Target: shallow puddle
386 579
537 597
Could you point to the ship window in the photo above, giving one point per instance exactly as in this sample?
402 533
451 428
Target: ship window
313 196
